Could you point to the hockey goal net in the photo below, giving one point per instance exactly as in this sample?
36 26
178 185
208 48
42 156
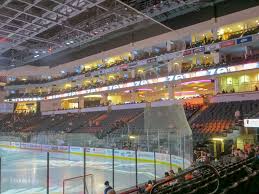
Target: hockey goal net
75 185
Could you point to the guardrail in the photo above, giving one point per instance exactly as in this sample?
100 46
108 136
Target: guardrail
213 169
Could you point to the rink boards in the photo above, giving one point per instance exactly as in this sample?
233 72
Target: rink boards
147 157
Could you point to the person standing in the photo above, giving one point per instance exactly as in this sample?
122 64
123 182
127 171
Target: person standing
108 189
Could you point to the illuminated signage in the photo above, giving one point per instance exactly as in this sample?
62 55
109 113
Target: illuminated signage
199 49
227 43
209 72
110 70
212 47
152 60
251 123
244 40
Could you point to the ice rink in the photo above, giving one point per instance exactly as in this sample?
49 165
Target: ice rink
24 172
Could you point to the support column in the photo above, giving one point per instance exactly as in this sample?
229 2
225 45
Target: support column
169 67
104 99
132 56
216 57
134 96
133 73
168 45
171 91
193 38
81 102
216 85
248 51
214 32
194 60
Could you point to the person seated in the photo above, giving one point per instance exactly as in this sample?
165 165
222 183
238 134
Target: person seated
171 173
188 176
179 170
167 178
148 186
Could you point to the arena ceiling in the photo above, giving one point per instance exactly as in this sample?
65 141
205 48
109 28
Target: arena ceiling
31 30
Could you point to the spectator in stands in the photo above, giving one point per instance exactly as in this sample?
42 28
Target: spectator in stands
188 176
179 170
251 152
237 114
232 91
171 172
108 189
167 177
256 88
148 186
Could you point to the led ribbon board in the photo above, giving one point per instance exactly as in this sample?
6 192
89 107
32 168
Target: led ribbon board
170 78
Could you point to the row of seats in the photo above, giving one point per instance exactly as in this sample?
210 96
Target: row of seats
220 118
235 178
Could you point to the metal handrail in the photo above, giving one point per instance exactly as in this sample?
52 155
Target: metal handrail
187 172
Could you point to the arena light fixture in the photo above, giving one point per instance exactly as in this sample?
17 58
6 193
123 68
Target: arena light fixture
132 137
145 89
218 139
70 98
196 82
93 96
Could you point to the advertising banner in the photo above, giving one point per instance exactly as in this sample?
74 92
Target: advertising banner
76 149
227 43
46 147
199 49
212 47
16 144
152 60
187 52
244 40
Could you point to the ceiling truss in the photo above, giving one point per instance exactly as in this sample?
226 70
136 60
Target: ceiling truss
33 29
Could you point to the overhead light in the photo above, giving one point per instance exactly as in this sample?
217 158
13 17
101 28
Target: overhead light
221 32
36 51
35 56
71 41
217 139
68 43
132 137
93 96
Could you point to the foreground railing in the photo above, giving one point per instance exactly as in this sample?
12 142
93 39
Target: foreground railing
205 167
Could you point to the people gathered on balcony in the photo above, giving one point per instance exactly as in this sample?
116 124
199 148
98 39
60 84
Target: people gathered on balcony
142 56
